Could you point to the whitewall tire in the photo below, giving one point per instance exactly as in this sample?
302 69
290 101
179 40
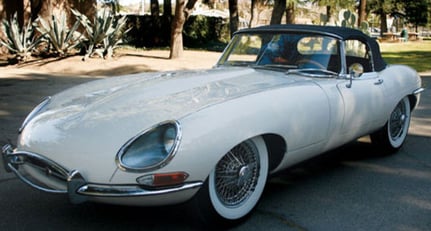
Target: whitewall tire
235 185
392 136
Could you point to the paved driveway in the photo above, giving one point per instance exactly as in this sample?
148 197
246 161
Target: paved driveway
347 189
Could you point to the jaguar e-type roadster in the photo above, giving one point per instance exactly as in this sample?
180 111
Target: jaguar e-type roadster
277 96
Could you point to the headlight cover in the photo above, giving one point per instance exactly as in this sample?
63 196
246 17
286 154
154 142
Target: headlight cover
34 112
151 149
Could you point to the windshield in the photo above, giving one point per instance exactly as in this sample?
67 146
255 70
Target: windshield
283 50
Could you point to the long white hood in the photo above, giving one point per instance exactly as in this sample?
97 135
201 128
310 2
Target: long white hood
102 115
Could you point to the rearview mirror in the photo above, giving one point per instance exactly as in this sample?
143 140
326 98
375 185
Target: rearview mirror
355 71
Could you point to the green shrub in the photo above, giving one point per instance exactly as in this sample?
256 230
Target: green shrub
19 41
104 35
62 38
200 31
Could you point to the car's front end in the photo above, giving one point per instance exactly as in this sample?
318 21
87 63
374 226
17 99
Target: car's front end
120 140
57 155
107 141
48 176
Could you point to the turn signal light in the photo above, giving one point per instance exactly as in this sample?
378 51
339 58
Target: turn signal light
163 179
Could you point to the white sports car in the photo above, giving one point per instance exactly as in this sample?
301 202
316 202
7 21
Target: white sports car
277 96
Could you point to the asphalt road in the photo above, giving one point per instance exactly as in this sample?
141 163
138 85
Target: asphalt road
348 189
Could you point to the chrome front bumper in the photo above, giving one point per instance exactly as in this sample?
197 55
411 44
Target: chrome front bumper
73 183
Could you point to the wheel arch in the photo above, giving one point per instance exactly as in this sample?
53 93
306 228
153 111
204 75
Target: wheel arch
413 99
276 147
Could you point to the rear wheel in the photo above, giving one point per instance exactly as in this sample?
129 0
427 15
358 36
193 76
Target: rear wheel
392 136
235 185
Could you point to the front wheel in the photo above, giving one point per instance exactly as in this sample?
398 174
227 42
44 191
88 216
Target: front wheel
392 136
235 185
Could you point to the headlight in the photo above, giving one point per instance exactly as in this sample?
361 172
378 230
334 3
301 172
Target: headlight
151 149
34 112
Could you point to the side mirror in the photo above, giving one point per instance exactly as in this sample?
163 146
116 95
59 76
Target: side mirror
355 71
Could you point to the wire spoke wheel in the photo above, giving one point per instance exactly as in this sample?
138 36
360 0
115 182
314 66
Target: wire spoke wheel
397 121
237 173
237 181
392 136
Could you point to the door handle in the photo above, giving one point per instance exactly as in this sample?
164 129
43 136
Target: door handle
379 81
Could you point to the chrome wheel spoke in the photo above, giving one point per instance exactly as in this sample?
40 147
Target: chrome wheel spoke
237 174
397 121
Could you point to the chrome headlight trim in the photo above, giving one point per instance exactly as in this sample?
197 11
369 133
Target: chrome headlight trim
34 112
165 139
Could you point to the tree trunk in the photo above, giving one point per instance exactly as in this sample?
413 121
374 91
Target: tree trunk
328 13
252 11
233 16
167 8
12 7
177 30
278 11
362 12
154 7
383 23
182 12
290 13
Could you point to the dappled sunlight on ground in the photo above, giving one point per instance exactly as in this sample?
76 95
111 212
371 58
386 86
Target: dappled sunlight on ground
381 169
125 62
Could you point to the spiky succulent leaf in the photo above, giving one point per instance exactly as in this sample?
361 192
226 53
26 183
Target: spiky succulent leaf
19 40
60 36
105 33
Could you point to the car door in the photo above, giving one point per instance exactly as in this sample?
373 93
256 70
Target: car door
363 104
364 96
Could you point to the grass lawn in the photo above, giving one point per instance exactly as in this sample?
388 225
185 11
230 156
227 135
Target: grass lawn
414 54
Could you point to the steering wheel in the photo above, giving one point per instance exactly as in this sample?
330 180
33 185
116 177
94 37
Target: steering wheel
311 62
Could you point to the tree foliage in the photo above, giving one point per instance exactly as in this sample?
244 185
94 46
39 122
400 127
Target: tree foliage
333 6
415 13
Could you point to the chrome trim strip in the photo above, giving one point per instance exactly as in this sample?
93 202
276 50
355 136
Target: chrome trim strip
6 150
303 71
78 188
418 91
130 190
13 159
34 112
25 180
74 182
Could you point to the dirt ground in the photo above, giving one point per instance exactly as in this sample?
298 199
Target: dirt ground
124 62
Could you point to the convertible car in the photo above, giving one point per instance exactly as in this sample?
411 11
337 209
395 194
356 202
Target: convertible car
277 96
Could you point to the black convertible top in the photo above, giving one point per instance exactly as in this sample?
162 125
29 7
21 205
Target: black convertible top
342 33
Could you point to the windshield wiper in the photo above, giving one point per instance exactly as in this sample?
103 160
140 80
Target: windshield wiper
313 72
237 63
278 66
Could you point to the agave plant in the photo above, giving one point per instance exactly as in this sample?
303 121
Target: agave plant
19 41
114 39
104 35
62 38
